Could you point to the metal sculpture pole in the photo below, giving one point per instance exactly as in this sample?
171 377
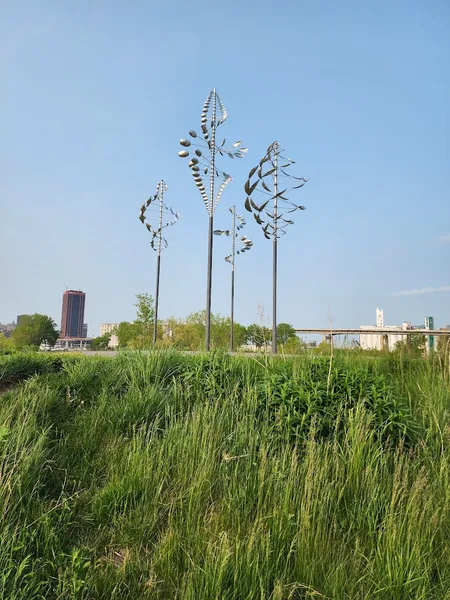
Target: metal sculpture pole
275 251
246 245
158 264
158 242
209 124
274 224
233 255
212 148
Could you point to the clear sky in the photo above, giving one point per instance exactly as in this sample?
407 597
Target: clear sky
96 94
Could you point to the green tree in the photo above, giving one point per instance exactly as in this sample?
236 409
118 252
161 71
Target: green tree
294 346
189 333
188 336
220 332
143 324
240 336
285 332
170 333
34 330
414 346
126 332
193 330
259 335
145 313
7 345
139 334
101 342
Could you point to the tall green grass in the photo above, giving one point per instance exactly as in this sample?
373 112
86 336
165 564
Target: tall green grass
161 475
20 366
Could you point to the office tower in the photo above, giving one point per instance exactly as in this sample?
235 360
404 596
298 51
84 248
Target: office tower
72 318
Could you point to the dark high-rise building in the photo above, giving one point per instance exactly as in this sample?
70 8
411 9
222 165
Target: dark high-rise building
72 317
85 328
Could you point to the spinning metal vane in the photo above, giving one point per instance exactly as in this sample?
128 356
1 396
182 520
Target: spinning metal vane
166 216
203 163
271 213
246 245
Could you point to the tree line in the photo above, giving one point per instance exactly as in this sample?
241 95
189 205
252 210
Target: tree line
30 333
189 333
184 334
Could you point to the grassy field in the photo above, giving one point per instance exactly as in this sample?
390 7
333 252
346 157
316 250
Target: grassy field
163 476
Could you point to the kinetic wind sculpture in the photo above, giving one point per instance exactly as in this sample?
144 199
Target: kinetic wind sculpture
166 216
246 245
203 165
271 214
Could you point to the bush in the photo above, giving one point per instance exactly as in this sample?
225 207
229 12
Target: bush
293 404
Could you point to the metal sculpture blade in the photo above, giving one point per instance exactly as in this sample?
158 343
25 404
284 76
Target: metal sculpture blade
213 115
211 181
271 214
275 224
166 216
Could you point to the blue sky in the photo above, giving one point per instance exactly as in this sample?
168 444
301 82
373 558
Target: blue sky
95 96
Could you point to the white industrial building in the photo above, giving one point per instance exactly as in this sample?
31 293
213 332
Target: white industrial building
375 341
110 328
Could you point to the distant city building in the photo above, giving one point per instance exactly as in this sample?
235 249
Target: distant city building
72 317
167 329
19 318
85 330
375 341
380 317
429 324
7 329
72 344
110 328
107 328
